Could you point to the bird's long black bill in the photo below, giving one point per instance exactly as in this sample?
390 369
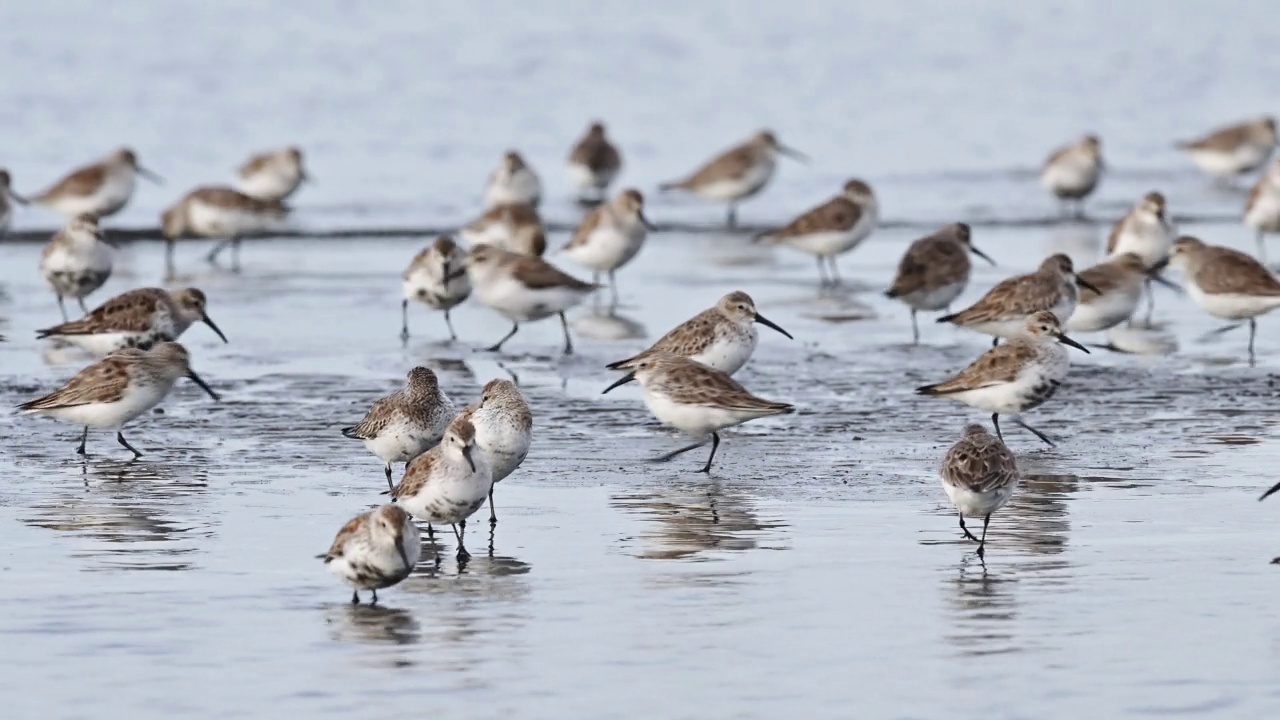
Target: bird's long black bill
1087 285
982 255
620 382
18 198
466 453
1156 277
203 385
793 153
205 319
1068 341
1268 493
770 324
645 222
150 175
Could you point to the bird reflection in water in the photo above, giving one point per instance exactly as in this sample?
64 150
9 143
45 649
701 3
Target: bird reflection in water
691 520
608 324
374 625
139 513
1024 551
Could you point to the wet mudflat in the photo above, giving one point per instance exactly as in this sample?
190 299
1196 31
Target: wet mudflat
819 569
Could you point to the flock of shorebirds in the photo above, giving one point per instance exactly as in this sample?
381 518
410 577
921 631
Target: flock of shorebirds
455 457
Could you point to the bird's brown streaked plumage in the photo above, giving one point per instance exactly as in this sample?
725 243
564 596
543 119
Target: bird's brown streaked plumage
732 164
102 382
1228 138
231 198
394 514
1227 271
628 200
130 311
523 414
419 399
1152 199
979 462
523 225
837 214
595 152
692 383
265 159
418 473
691 337
1111 274
537 274
1001 364
934 261
1017 296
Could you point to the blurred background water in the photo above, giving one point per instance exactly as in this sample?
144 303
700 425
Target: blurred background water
819 571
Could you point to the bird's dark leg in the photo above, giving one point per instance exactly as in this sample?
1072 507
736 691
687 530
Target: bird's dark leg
915 329
715 443
169 270
681 451
836 280
995 341
1262 248
374 601
463 555
449 322
613 287
1035 432
1253 329
235 261
84 437
733 216
355 597
390 485
212 257
83 309
493 515
497 347
404 320
822 273
967 535
120 439
982 543
568 342
1151 299
63 308
995 420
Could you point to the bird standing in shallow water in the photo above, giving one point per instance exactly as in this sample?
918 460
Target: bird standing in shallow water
934 272
1226 283
432 279
374 550
737 173
979 474
77 261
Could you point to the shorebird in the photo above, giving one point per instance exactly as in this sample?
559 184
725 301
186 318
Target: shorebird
523 289
77 261
696 399
514 182
504 430
512 227
1117 288
1016 376
934 271
737 173
594 163
448 483
832 228
1235 150
406 423
218 212
979 475
1262 209
101 189
721 337
136 319
610 237
1147 232
430 279
117 389
273 175
7 194
1226 283
1004 310
1071 173
375 549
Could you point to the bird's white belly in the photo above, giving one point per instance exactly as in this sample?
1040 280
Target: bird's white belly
1070 179
401 442
728 354
1105 312
209 220
520 303
1265 213
1232 306
978 504
607 248
749 184
935 299
137 400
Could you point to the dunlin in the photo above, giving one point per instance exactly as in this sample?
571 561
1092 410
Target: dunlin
448 483
218 212
1145 231
406 423
1004 310
594 163
504 430
832 228
514 182
1014 377
1071 173
1262 209
979 475
6 195
1227 283
77 261
1234 150
374 550
523 289
737 173
1117 287
117 389
431 280
610 237
136 319
101 189
273 175
934 271
514 227
722 337
696 399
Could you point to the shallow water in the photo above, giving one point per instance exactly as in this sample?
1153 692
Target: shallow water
819 568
